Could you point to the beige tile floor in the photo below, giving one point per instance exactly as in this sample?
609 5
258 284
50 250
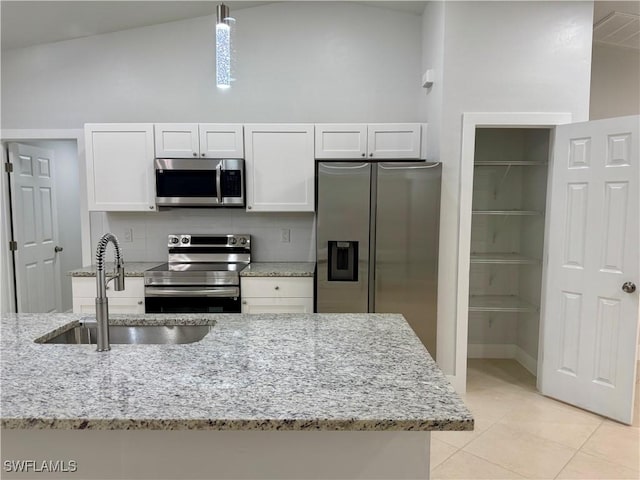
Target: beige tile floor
522 434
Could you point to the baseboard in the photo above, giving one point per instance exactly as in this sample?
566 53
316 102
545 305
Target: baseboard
527 361
503 350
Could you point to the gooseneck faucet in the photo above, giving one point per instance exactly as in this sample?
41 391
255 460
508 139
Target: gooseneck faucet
102 303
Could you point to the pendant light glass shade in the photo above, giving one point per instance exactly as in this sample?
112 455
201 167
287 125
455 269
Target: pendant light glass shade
223 47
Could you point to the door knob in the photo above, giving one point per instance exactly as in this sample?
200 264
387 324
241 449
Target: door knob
628 287
58 249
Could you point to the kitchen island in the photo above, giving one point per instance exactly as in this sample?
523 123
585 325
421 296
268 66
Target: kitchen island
260 396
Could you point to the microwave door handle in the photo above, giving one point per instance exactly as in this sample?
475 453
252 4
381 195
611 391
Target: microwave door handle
219 182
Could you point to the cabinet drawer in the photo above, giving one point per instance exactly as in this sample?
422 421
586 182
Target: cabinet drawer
86 287
277 305
116 305
277 287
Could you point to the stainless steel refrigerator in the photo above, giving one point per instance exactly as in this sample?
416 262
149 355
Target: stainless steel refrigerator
377 240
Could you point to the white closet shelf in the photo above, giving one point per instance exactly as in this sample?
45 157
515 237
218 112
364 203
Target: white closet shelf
506 212
503 259
507 163
499 303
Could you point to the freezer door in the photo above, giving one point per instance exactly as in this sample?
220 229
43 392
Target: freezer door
406 259
342 237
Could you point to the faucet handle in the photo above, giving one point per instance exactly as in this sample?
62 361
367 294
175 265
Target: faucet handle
118 285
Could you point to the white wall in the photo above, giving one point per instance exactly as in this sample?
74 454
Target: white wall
296 62
433 58
615 80
67 178
150 232
502 57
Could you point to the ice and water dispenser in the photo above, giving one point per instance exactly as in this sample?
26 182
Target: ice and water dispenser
343 261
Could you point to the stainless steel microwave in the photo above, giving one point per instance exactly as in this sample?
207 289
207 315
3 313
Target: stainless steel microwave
186 182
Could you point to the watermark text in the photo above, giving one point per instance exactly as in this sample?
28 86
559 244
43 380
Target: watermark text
40 466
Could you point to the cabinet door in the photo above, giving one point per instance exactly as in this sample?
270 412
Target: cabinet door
341 141
394 141
277 305
120 175
279 167
177 140
221 141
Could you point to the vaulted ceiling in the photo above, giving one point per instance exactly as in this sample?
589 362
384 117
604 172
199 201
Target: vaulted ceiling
26 23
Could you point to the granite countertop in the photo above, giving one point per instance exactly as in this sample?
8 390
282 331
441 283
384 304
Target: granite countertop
255 269
279 269
131 269
250 372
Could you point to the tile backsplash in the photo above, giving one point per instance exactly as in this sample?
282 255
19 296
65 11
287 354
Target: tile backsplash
143 236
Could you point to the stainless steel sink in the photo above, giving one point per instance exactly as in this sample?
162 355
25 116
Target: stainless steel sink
139 334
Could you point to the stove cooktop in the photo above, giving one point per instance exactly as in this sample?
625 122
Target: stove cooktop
199 267
202 260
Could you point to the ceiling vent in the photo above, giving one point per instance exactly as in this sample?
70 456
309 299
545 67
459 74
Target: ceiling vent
620 29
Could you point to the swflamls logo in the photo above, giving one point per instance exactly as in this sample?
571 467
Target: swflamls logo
39 466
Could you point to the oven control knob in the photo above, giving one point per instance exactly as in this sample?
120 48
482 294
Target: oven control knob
174 240
243 241
185 239
233 240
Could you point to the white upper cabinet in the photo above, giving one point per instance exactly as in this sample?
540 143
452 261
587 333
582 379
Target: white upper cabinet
393 141
221 141
341 140
120 174
279 167
177 140
205 140
389 141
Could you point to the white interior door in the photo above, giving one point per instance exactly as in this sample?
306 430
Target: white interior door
35 229
590 327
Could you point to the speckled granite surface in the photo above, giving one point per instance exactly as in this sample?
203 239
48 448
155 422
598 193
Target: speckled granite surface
131 269
256 269
250 372
279 269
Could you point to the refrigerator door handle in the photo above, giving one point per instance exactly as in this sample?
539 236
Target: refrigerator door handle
407 166
355 166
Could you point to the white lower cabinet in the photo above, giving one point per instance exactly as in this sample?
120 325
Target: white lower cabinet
130 300
277 305
277 294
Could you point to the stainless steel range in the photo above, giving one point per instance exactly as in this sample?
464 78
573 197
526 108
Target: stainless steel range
202 276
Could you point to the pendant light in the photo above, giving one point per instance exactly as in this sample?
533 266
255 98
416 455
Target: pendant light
223 47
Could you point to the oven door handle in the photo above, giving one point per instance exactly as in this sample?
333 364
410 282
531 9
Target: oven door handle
191 292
